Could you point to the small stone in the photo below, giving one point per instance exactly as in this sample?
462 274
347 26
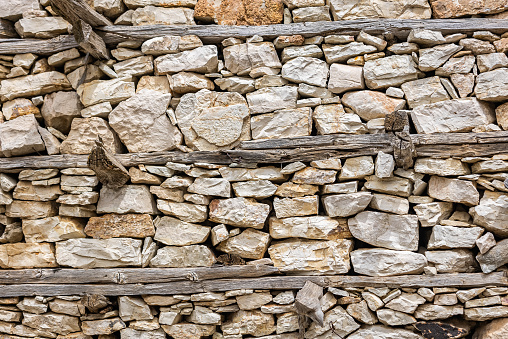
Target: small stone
430 214
341 53
272 98
406 302
394 185
171 231
485 313
485 242
31 209
245 322
102 327
183 211
52 322
424 91
362 313
19 107
20 136
254 189
98 91
311 14
394 318
342 322
293 207
127 199
492 61
385 164
250 244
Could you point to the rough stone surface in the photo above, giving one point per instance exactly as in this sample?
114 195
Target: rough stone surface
490 213
493 85
174 232
98 91
453 190
345 78
286 123
452 261
21 255
52 229
250 244
127 199
400 9
446 237
240 212
381 263
390 71
20 136
452 9
313 227
371 105
272 98
119 226
311 71
184 256
345 205
494 258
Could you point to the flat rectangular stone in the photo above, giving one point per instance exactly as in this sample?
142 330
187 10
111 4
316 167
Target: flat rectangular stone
22 255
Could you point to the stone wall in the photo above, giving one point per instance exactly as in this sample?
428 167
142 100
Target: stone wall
356 215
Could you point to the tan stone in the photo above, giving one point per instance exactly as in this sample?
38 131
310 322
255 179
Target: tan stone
314 227
371 104
253 322
26 191
33 85
42 27
294 207
151 15
19 107
496 329
174 232
248 12
453 190
399 9
113 91
250 244
183 256
20 136
253 214
22 255
119 226
453 9
31 209
282 124
102 327
52 322
52 229
83 134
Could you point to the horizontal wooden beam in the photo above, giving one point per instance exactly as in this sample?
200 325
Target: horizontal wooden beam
398 27
214 33
464 280
439 145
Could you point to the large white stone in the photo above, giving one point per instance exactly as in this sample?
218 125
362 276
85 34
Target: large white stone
174 232
442 167
453 190
446 237
314 227
431 214
379 262
345 78
397 232
152 15
492 213
452 261
127 199
371 104
361 9
84 133
250 244
272 98
241 59
240 212
331 119
183 256
345 205
493 85
341 53
96 253
336 317
59 109
98 91
432 58
384 332
254 189
149 130
311 71
33 85
389 203
424 91
20 136
14 9
295 207
42 27
211 186
390 71
201 60
286 123
457 115
53 229
22 255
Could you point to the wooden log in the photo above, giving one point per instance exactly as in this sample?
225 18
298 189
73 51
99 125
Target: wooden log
459 280
400 28
76 10
131 275
89 40
110 172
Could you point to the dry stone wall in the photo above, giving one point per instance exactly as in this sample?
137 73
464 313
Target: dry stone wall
359 215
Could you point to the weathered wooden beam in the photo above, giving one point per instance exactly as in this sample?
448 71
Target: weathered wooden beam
89 40
75 10
131 275
398 27
459 280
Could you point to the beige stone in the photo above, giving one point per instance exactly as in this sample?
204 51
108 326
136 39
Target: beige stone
174 232
371 104
452 261
345 205
183 256
389 71
52 229
282 124
23 255
446 237
19 107
113 91
450 9
26 191
357 168
400 9
453 190
379 262
313 227
151 15
42 27
119 226
272 98
492 86
294 207
52 322
33 85
102 327
250 244
31 209
170 44
250 12
490 213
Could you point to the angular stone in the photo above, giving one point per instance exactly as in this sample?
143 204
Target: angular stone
240 85
120 226
254 189
272 98
102 327
399 9
52 322
431 58
65 307
406 302
496 329
246 322
385 164
42 27
133 308
250 244
390 71
494 258
174 232
477 46
31 209
492 86
489 62
314 176
292 52
452 261
345 205
344 78
201 60
446 237
485 313
240 212
26 191
83 134
372 105
184 211
184 256
312 257
453 190
485 242
424 91
468 113
20 136
113 91
434 312
134 67
491 213
170 44
341 53
331 119
314 227
150 129
187 82
243 58
83 198
211 186
294 207
450 9
397 232
127 199
460 65
213 120
151 15
357 168
282 124
33 85
19 107
341 321
308 70
52 229
394 318
442 167
378 262
23 255
433 213
250 12
292 190
97 253
128 333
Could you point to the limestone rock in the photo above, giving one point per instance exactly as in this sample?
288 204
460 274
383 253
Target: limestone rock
437 117
331 119
188 82
345 205
433 213
489 62
42 27
240 85
311 71
127 199
201 60
272 98
453 190
494 258
378 262
445 237
240 212
31 209
242 174
33 85
451 9
183 211
357 168
83 134
452 261
312 257
52 322
134 67
20 136
250 244
245 12
394 318
184 256
133 308
149 130
52 229
341 320
491 212
371 104
97 253
390 71
26 191
345 78
434 312
424 91
295 207
174 232
460 65
119 226
485 313
170 44
282 124
19 107
213 120
400 9
246 322
128 333
23 255
496 329
211 186
102 327
241 59
314 227
16 8
98 91
442 167
254 189
389 203
341 53
493 85
151 15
